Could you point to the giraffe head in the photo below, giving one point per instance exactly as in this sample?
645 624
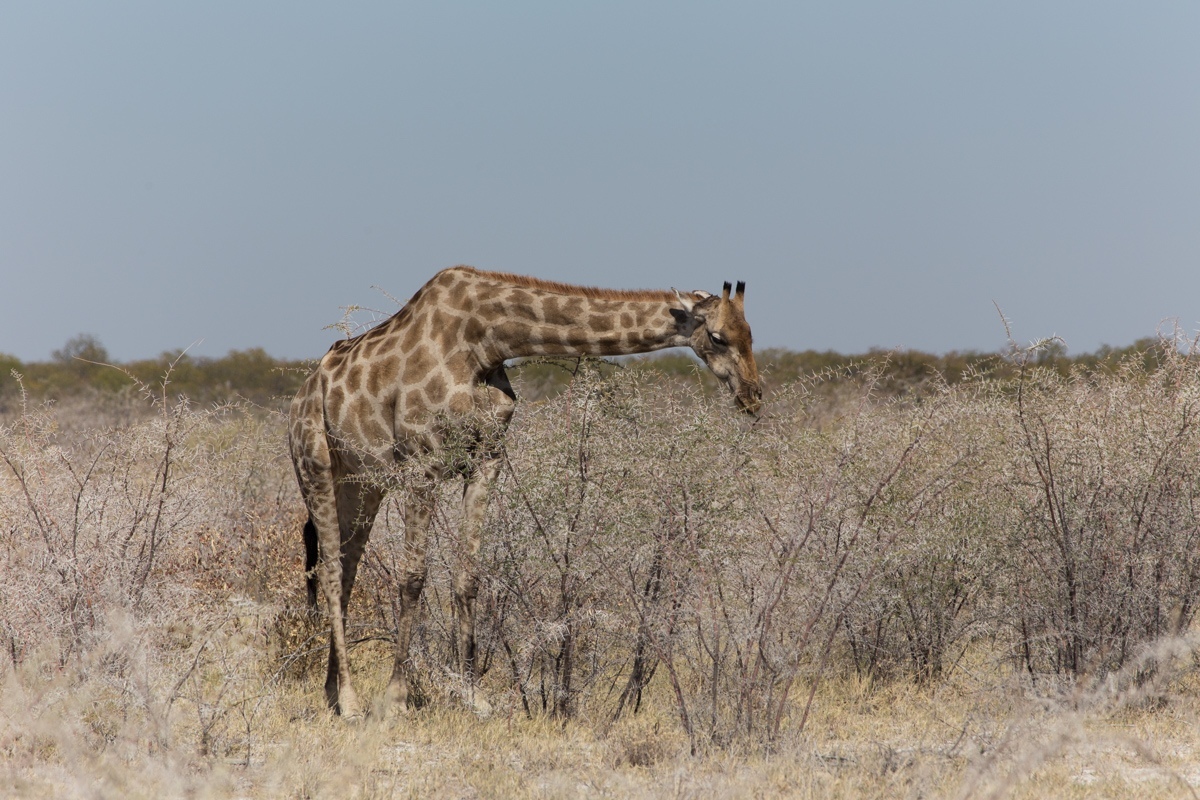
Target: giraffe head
717 331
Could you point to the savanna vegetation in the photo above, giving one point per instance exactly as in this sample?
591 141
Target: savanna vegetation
83 367
953 576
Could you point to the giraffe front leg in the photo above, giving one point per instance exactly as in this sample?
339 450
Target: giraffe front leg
466 581
417 511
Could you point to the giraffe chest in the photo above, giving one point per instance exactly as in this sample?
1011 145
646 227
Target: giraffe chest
403 396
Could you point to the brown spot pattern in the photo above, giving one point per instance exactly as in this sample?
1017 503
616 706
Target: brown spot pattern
435 389
417 366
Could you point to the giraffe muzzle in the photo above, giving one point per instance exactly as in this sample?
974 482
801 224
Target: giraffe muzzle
749 401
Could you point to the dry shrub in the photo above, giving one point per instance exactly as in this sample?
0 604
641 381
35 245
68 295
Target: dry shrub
138 519
144 565
639 533
642 534
1102 484
647 552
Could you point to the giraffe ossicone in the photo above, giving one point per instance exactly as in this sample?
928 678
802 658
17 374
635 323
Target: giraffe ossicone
395 392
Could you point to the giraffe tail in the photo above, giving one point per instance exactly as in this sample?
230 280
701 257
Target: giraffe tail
311 554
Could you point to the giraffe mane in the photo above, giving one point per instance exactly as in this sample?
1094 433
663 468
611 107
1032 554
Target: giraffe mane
572 290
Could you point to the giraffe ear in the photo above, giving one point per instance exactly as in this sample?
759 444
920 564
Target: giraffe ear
686 317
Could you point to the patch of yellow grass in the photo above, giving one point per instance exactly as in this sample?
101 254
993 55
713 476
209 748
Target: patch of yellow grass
66 733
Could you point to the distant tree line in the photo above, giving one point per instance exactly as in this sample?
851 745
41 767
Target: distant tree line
83 365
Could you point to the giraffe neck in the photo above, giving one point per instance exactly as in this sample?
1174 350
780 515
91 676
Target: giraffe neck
498 316
585 326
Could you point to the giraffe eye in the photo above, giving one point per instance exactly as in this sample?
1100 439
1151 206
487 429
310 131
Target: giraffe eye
717 339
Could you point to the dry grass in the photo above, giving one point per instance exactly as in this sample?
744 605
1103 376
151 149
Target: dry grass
867 601
895 741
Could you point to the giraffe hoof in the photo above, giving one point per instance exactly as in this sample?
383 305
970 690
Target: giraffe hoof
396 700
477 703
389 710
350 710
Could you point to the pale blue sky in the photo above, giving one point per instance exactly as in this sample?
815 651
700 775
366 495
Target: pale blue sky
878 172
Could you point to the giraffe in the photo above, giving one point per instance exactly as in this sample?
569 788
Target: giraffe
393 393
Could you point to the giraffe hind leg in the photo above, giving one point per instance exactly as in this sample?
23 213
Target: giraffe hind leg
320 476
316 475
330 575
357 505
